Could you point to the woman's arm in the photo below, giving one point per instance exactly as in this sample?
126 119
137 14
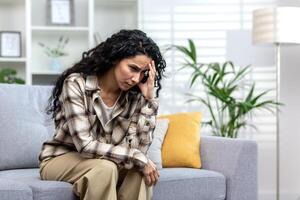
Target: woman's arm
145 127
79 127
146 123
148 110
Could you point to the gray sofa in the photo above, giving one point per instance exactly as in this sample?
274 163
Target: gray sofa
229 166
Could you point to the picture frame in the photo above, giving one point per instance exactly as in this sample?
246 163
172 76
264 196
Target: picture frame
10 44
60 12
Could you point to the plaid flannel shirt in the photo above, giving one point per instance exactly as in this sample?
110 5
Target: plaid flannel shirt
124 140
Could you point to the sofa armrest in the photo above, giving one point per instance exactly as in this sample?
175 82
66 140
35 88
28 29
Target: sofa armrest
14 190
236 159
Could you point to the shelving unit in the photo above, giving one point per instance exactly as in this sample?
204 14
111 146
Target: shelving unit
12 18
59 28
103 17
12 60
115 14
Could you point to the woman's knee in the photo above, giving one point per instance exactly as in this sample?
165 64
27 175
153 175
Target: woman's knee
103 165
104 170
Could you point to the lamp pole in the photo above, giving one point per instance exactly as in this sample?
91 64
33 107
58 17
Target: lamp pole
277 121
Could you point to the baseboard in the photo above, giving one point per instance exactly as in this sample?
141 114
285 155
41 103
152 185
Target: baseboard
270 195
267 195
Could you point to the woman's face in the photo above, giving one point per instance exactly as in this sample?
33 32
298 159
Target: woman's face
130 71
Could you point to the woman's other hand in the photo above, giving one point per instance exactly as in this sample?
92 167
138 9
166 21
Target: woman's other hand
151 174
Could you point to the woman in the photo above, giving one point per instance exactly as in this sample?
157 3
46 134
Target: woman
104 111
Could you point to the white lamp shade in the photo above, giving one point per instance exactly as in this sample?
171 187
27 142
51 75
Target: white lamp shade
276 25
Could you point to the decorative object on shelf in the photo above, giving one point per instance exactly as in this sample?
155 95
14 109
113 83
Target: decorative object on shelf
8 75
55 52
223 83
55 64
10 42
60 12
277 26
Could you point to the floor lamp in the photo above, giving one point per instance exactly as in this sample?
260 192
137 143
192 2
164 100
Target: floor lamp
277 26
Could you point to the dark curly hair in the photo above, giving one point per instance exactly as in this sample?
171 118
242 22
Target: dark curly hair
98 60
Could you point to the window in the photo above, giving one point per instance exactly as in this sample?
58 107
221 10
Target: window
210 23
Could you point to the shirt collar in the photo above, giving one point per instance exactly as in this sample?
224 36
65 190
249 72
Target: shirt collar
92 83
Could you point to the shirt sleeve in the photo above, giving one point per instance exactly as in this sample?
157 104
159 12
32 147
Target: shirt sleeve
140 132
146 122
79 128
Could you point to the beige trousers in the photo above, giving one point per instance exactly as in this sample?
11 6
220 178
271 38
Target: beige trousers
96 179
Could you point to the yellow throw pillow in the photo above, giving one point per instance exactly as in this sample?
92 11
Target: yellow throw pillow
181 146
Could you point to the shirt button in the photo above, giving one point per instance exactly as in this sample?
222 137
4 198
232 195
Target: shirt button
149 105
147 123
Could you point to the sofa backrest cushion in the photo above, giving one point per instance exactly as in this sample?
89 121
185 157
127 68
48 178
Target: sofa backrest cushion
24 124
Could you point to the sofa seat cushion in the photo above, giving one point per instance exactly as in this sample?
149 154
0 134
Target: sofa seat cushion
174 183
14 190
42 190
190 184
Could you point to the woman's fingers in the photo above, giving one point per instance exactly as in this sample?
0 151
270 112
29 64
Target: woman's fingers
153 178
151 77
152 69
147 180
151 173
155 172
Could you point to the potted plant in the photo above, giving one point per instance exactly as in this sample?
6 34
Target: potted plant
222 83
56 52
8 75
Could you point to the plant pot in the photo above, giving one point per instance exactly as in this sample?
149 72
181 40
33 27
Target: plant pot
55 64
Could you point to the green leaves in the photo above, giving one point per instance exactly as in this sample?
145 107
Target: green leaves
8 75
189 51
223 83
57 51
